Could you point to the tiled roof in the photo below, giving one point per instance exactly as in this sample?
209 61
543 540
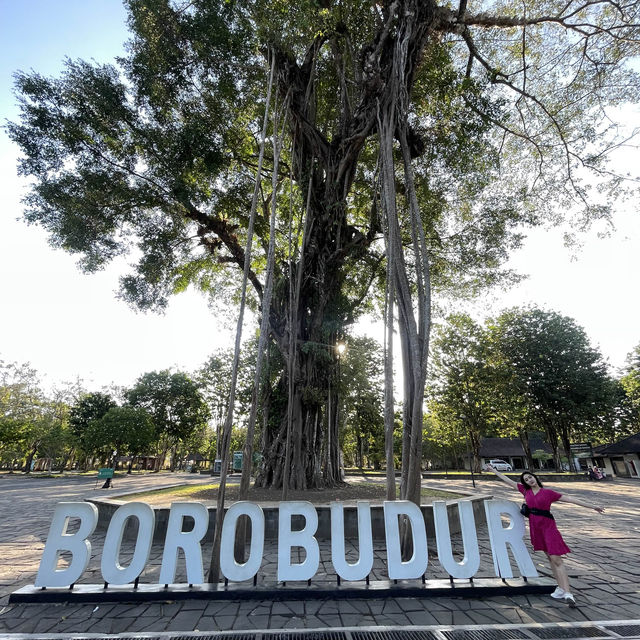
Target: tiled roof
627 445
500 447
196 457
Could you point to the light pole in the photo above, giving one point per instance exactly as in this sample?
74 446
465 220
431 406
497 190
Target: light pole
473 478
340 349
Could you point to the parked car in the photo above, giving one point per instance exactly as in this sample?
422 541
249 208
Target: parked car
498 465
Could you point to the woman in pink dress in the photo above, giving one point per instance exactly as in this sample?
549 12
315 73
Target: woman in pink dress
542 527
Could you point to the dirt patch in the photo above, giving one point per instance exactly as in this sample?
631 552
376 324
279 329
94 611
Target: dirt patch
316 496
350 492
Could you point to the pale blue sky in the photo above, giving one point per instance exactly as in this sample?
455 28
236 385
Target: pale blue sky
39 34
65 323
68 324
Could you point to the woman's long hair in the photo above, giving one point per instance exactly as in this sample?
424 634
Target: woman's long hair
528 473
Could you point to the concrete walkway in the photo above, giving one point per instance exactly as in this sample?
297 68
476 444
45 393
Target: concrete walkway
604 570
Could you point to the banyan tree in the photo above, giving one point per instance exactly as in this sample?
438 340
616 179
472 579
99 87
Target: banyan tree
344 156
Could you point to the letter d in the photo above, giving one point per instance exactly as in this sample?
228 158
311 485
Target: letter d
76 543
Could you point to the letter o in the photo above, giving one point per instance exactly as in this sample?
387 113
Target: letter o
231 569
112 571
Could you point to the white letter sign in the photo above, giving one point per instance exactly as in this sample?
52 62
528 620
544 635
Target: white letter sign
470 562
188 541
500 537
288 539
66 555
231 569
112 571
417 564
360 569
76 543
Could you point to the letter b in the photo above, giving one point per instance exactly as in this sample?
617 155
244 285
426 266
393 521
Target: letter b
76 543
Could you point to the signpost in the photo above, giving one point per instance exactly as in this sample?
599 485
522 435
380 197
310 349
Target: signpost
580 450
105 474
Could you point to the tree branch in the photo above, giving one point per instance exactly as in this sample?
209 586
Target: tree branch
223 231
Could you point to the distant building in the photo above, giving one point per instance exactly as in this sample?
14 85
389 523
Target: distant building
511 450
620 458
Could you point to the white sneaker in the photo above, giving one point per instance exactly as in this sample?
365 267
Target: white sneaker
558 594
570 600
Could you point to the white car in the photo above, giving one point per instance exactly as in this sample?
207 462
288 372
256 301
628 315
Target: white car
498 465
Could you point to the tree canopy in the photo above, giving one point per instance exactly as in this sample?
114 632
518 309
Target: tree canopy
174 404
444 129
90 407
463 384
120 431
528 370
631 379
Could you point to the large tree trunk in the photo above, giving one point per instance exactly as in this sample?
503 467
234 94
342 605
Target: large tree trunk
474 437
29 460
523 434
328 168
566 445
311 438
555 450
320 308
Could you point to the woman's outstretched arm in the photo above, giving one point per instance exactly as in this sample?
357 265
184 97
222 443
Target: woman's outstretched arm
509 481
581 503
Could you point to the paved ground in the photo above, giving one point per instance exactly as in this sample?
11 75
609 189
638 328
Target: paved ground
603 567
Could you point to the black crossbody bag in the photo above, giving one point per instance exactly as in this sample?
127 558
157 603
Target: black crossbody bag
526 511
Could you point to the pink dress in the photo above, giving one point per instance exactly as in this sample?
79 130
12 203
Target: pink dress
544 533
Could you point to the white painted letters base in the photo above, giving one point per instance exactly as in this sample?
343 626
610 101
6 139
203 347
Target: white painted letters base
298 553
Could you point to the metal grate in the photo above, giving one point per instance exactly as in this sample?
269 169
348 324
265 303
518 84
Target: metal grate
549 633
246 635
394 634
485 634
303 635
626 630
186 636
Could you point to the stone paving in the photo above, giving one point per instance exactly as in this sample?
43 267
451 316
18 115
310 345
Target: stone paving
603 567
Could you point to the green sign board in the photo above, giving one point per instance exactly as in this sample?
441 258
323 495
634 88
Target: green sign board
105 473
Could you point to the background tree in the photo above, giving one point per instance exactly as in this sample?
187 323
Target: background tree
615 419
630 382
484 118
175 405
510 404
213 380
435 447
560 378
446 438
90 407
121 431
57 443
24 422
462 386
64 398
360 392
